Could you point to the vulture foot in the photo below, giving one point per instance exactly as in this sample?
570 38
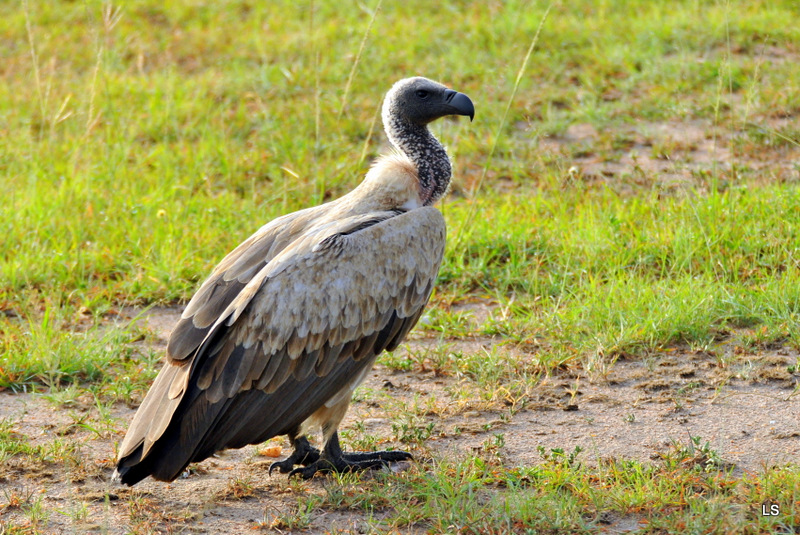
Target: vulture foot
304 454
333 459
351 462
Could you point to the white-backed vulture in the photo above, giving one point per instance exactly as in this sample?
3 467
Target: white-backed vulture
289 323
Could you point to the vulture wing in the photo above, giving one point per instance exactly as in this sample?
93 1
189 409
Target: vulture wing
299 334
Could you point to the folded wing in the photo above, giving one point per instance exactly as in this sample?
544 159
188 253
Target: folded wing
301 327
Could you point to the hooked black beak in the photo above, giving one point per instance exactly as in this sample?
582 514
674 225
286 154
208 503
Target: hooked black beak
460 103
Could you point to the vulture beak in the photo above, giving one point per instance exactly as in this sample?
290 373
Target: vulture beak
460 103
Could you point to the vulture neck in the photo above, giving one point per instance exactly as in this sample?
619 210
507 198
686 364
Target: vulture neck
427 155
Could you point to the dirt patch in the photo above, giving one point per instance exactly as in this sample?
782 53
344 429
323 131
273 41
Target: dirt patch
745 406
640 409
678 157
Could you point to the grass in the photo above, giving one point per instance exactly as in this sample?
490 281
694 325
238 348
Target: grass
633 274
629 186
479 495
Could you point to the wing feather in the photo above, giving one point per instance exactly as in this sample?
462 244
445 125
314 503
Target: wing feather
282 370
260 362
274 362
305 364
328 358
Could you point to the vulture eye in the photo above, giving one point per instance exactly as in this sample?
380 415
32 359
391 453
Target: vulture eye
421 93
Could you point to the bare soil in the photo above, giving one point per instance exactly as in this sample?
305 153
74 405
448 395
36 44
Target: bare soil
675 157
745 405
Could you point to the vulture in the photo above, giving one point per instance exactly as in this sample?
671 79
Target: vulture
290 322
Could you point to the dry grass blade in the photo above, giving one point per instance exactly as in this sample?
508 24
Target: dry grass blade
357 60
501 126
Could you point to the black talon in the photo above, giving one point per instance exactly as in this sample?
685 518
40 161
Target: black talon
282 466
304 472
303 454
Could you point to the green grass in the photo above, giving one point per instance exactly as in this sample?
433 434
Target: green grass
139 143
625 275
680 494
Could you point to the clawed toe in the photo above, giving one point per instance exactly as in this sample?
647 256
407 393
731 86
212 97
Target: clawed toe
384 457
303 454
282 466
306 472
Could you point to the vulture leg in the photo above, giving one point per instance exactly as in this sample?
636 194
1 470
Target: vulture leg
333 459
304 454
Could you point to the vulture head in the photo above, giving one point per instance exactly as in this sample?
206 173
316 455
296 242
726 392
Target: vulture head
419 101
408 108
